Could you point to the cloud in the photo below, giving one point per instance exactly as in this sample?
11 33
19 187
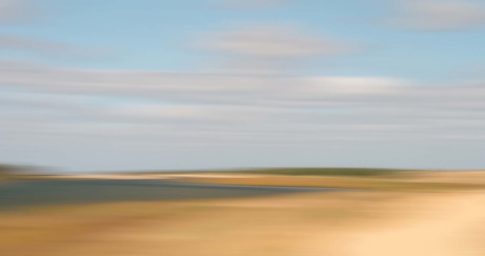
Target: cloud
271 48
170 94
252 4
228 108
48 48
353 85
13 11
272 42
215 88
439 15
153 112
115 110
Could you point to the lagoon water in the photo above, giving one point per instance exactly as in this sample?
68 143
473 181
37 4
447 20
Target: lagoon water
48 192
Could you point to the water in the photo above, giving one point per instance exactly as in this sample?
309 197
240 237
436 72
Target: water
51 192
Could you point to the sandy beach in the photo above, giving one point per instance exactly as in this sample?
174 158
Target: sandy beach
344 223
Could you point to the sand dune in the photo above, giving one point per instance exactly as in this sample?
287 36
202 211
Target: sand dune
440 225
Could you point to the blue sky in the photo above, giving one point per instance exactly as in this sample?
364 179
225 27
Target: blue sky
110 85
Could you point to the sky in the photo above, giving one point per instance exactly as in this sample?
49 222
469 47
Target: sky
88 85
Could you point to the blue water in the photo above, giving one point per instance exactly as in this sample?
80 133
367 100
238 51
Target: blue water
51 192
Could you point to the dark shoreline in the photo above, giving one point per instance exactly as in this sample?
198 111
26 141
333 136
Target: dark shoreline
31 193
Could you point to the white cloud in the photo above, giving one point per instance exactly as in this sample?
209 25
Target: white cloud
158 112
441 14
252 4
213 88
272 42
353 85
53 109
12 11
48 48
224 108
270 48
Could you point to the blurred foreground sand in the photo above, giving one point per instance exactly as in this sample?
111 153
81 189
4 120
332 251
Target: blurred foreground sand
373 222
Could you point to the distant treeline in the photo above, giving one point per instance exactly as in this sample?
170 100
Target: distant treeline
318 171
6 169
16 171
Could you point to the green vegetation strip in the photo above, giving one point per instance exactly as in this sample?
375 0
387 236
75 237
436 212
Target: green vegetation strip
297 171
